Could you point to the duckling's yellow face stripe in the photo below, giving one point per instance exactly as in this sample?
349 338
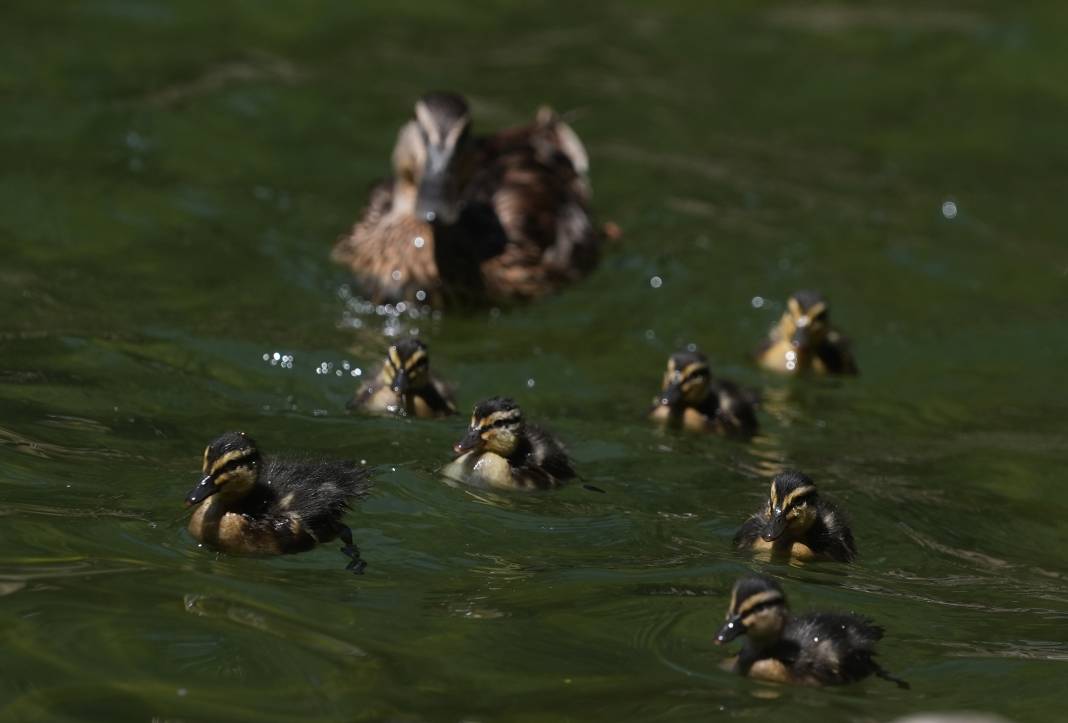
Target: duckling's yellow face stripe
813 317
796 494
753 601
692 379
418 357
499 430
499 419
774 496
794 307
226 459
415 366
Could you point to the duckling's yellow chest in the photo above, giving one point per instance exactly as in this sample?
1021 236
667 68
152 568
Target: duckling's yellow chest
490 470
690 419
240 534
784 358
780 551
386 401
482 470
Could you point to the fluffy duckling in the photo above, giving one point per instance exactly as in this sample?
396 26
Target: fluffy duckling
248 504
796 523
501 450
496 218
691 398
404 385
813 649
804 340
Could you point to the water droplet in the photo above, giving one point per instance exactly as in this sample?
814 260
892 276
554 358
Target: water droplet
395 274
530 383
276 356
656 282
418 242
757 302
949 209
420 295
650 334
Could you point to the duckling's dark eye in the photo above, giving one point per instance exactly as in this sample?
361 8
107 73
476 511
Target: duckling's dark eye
762 606
234 464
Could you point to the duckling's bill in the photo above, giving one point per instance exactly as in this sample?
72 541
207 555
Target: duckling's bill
730 630
204 489
471 441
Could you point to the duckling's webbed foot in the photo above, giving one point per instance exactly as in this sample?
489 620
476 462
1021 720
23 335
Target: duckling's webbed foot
356 564
879 671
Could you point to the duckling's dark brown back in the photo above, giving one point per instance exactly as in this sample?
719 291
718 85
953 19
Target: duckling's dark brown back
318 491
833 648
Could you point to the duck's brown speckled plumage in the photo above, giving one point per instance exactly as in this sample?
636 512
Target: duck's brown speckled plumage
523 227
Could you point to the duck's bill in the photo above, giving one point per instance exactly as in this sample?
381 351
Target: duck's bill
671 396
400 383
434 201
730 630
471 440
774 529
204 489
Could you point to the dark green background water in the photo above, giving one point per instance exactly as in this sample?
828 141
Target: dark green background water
173 177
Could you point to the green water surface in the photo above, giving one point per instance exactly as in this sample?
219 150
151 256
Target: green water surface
173 176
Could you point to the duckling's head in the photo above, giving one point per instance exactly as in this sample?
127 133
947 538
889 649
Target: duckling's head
496 426
758 609
791 506
407 366
686 381
231 466
431 155
805 322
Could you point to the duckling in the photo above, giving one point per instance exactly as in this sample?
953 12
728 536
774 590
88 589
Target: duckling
813 649
804 340
503 451
404 385
248 504
692 399
796 523
497 218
